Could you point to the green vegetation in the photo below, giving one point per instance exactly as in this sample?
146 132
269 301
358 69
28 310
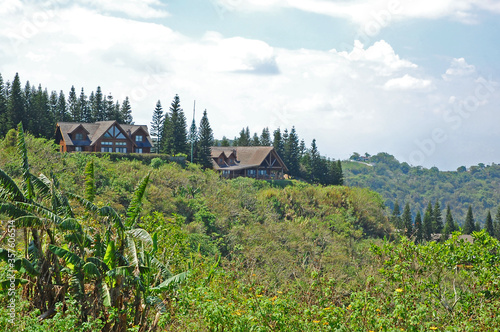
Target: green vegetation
476 187
104 245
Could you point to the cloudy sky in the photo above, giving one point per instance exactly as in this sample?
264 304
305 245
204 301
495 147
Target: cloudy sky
416 79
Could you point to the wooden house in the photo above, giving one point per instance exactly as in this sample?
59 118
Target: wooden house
259 162
103 136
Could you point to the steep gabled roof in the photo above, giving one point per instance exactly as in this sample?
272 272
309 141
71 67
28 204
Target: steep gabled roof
95 131
246 156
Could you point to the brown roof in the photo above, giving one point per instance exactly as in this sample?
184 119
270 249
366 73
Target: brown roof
97 130
246 156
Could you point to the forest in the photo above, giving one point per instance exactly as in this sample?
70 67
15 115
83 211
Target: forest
398 183
91 244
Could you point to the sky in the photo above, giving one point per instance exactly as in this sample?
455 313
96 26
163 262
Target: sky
417 79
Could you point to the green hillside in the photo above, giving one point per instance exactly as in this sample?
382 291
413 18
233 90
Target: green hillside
478 186
92 244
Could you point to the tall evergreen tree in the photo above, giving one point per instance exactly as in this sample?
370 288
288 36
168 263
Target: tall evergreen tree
126 112
449 226
489 224
469 226
45 123
167 141
30 116
244 138
109 110
74 106
437 218
91 107
98 110
340 174
193 141
61 110
225 141
83 104
15 104
427 224
157 125
205 142
175 135
291 152
407 222
419 229
265 137
255 140
396 217
3 109
278 142
496 224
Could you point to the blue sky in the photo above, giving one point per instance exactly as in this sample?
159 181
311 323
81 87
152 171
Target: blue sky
419 80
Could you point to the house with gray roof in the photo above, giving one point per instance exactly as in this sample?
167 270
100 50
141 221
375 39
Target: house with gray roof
103 136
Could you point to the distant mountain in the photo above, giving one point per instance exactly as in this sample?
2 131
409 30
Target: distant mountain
478 186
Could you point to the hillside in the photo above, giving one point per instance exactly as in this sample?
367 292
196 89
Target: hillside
101 245
478 186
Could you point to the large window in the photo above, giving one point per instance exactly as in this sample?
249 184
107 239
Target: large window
78 148
251 172
103 149
139 138
121 150
79 136
114 132
262 172
138 150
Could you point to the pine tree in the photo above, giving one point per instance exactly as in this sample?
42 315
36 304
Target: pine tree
15 105
45 122
449 226
83 104
244 138
174 134
53 100
74 106
419 236
126 112
98 112
315 166
193 141
109 110
278 142
61 110
3 109
489 224
255 140
167 141
157 125
427 225
205 142
407 222
265 137
469 226
30 116
496 224
291 152
340 174
437 218
225 141
302 148
396 217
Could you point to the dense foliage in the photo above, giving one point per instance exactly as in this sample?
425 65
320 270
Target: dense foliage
476 187
125 246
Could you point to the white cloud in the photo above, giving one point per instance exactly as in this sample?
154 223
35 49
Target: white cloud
459 67
374 12
407 82
132 8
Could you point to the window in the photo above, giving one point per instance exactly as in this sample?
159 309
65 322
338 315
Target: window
251 172
138 138
78 148
262 172
79 136
120 143
114 132
138 150
121 150
103 149
107 143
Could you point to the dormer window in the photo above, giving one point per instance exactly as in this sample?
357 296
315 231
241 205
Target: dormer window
114 132
78 136
139 138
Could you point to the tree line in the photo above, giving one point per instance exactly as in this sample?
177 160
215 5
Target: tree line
422 228
39 111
